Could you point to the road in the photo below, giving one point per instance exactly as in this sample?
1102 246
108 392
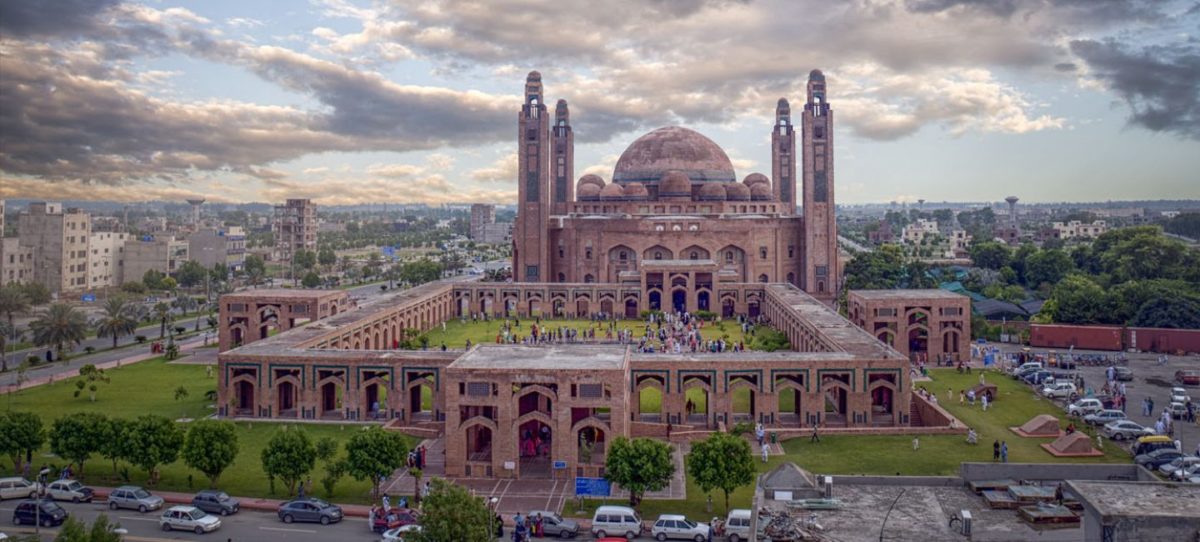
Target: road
853 244
56 368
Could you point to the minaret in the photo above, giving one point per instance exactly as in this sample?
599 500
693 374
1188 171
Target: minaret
562 151
783 161
530 237
821 272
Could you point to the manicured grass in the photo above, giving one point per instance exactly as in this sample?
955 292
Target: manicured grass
480 332
149 387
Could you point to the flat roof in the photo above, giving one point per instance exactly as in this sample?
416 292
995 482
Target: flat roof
544 358
1133 499
928 293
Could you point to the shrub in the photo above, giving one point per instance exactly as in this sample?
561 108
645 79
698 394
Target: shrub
33 360
180 329
707 316
89 349
741 428
140 339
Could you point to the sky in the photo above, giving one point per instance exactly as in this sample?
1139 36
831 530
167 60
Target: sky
415 101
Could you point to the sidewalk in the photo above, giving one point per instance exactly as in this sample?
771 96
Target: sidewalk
73 372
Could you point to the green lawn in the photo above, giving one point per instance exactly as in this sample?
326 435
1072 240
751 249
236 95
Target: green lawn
480 332
149 387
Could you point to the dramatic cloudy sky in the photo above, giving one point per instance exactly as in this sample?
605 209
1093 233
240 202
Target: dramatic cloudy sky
353 101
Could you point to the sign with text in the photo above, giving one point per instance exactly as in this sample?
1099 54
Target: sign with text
560 464
592 487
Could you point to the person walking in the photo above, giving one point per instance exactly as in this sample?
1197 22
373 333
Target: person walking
996 451
760 433
765 453
916 443
985 402
1004 452
1058 494
815 437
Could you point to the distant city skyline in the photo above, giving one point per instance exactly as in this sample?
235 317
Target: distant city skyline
412 101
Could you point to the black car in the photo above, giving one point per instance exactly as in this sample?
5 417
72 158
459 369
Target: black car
310 510
1124 374
27 513
216 502
1158 458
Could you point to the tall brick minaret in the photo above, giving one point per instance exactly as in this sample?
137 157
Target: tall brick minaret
783 157
562 153
531 246
822 277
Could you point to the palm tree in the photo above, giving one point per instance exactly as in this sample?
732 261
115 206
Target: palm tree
58 325
119 319
12 301
8 334
162 313
187 303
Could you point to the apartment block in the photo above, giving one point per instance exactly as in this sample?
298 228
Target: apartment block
106 259
212 246
163 254
295 228
482 215
16 262
59 241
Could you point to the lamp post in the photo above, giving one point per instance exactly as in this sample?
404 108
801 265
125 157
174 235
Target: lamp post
37 505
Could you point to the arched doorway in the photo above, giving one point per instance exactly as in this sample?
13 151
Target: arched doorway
581 307
287 399
727 307
702 300
742 403
331 400
243 398
420 400
375 400
591 445
534 438
789 406
918 344
836 392
631 308
679 300
696 401
479 443
655 300
650 404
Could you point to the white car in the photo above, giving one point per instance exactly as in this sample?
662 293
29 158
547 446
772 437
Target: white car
1126 430
188 518
69 490
1187 472
1178 410
1058 390
1179 395
1175 466
397 534
1083 407
679 528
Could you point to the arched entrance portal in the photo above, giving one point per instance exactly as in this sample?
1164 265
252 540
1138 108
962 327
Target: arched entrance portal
679 300
702 301
420 401
331 400
479 443
375 400
591 442
286 406
534 439
655 300
631 308
243 398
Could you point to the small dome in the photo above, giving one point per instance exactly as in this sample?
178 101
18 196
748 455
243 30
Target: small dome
592 179
756 178
534 76
587 192
612 192
816 75
674 184
636 191
761 192
712 192
737 192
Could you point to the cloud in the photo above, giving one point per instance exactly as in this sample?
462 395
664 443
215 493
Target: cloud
243 22
21 19
604 169
394 171
27 188
1159 83
503 170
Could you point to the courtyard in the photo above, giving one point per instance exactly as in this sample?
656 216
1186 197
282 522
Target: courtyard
457 332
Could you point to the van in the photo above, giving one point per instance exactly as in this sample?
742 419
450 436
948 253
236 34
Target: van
737 525
17 488
616 521
1150 443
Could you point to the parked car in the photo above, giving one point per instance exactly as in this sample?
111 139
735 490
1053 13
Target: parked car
1085 406
310 510
555 525
17 488
27 513
1188 378
737 525
1187 472
1182 466
188 518
1104 416
1158 457
1180 395
618 520
216 502
1037 377
1029 365
398 534
675 527
1178 410
134 498
69 490
1126 430
1059 390
1124 374
1147 444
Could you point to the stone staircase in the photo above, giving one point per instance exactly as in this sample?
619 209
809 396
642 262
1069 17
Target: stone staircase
914 416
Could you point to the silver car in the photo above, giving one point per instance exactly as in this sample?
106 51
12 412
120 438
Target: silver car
69 490
554 524
188 518
17 488
672 527
134 498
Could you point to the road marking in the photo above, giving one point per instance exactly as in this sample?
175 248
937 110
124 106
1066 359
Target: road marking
551 497
280 529
154 520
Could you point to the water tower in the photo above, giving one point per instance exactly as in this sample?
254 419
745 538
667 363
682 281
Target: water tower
196 203
1012 209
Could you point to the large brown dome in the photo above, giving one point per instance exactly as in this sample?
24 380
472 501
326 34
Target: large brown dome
673 148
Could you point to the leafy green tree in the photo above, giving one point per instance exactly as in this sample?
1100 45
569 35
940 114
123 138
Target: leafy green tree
990 254
59 325
1185 224
76 436
421 271
334 471
35 292
1047 267
153 279
219 272
21 434
721 461
304 259
1077 299
8 334
134 288
289 456
256 268
374 452
1169 312
638 466
74 530
115 444
118 319
12 302
210 447
311 280
326 257
327 449
450 512
89 378
1129 297
191 274
164 315
153 440
1149 255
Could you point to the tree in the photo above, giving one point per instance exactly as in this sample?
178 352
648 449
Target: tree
75 437
334 471
420 271
1077 299
210 447
1129 297
118 320
990 254
374 452
722 461
311 280
289 456
8 334
326 258
115 445
638 466
255 268
326 449
181 392
59 325
89 377
162 313
35 292
153 279
153 440
450 512
304 259
1169 312
74 530
191 274
12 302
1047 267
219 272
21 434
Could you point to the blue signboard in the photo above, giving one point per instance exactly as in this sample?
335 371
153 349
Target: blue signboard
592 487
88 298
560 464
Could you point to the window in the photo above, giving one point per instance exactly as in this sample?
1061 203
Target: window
822 270
623 256
791 251
658 255
587 253
762 252
479 389
591 391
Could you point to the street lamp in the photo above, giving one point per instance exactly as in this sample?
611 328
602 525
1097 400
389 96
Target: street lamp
37 505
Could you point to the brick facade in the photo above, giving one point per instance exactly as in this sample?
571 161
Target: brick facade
928 325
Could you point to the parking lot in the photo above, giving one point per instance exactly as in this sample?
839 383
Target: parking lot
1150 379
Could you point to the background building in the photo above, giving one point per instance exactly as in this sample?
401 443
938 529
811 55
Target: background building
163 254
16 262
106 259
295 228
58 240
213 246
482 215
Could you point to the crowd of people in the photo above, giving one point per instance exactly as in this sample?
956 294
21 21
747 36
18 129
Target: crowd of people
666 332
